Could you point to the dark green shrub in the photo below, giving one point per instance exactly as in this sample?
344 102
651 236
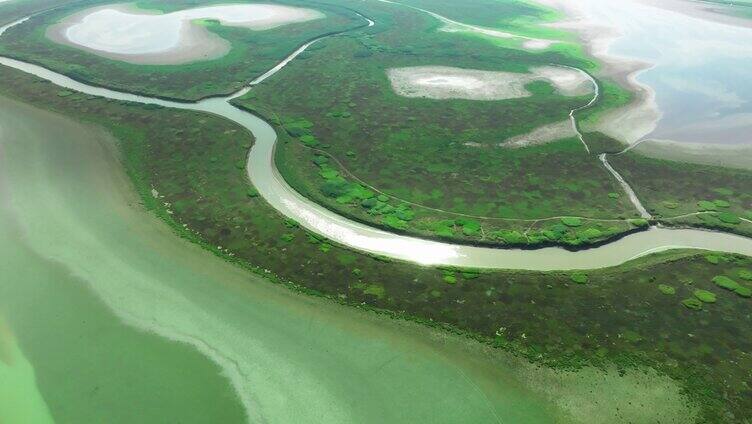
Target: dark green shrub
692 303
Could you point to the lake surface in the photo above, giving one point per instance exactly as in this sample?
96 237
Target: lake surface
699 69
113 310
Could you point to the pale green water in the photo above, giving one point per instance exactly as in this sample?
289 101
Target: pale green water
76 239
124 322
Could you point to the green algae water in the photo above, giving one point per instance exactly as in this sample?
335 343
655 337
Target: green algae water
112 318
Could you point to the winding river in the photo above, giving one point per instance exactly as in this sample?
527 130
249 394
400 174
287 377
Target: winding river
113 313
270 184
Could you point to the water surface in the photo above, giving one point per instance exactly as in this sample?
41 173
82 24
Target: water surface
124 322
698 69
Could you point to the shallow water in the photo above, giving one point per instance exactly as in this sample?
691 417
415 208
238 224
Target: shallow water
699 72
113 310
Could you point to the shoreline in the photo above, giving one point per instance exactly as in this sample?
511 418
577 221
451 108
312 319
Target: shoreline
635 123
642 113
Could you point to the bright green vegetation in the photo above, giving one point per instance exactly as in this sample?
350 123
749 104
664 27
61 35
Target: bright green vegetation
705 296
579 277
729 284
545 317
699 195
692 303
252 52
346 138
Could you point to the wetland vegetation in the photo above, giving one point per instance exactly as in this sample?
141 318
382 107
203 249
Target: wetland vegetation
702 196
437 169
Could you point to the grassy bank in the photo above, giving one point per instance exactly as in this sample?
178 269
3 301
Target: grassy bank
189 170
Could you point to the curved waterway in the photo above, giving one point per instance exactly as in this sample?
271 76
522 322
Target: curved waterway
270 184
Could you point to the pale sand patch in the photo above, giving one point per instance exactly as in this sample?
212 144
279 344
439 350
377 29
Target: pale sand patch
541 135
567 81
125 33
445 82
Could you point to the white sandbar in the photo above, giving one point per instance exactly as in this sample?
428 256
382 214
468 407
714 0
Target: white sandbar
445 82
136 36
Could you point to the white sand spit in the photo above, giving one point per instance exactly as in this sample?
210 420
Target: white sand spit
444 82
124 33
